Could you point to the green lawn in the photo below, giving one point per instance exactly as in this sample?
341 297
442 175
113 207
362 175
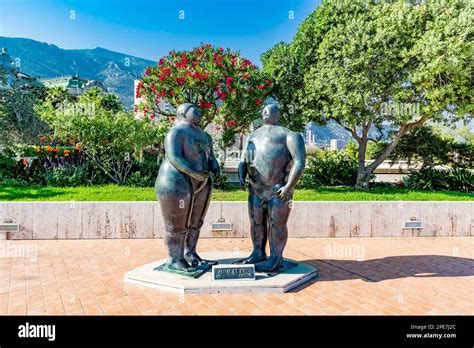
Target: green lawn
124 193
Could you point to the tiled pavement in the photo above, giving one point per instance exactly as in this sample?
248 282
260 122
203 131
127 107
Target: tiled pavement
357 276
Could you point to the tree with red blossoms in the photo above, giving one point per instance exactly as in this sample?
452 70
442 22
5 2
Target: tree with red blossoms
228 89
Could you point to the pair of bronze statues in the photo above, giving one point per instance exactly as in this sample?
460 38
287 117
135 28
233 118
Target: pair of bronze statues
273 159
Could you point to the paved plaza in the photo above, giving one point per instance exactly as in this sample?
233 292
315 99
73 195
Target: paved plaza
394 276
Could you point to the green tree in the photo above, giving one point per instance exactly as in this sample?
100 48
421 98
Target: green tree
368 64
58 95
19 123
281 66
105 133
427 145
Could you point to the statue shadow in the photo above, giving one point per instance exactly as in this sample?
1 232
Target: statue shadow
391 267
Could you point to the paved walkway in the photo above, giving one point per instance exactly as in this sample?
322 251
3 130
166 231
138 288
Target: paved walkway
357 276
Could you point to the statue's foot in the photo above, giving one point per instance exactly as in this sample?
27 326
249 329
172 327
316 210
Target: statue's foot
180 265
193 258
255 257
272 265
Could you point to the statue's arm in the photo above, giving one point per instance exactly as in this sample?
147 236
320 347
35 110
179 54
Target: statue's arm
295 145
174 154
243 170
213 163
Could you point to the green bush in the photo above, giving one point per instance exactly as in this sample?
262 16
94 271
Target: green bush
8 168
462 180
329 168
438 179
224 184
85 174
143 174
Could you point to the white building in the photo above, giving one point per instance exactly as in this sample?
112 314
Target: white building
310 137
336 144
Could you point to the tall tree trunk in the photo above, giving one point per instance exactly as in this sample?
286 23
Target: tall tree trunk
363 176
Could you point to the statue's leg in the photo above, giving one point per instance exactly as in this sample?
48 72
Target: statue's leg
279 211
258 229
175 204
200 205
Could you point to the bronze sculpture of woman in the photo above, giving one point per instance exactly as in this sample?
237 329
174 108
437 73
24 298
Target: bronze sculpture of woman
184 187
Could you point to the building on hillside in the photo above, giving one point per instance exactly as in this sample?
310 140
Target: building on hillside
336 144
75 85
309 137
12 72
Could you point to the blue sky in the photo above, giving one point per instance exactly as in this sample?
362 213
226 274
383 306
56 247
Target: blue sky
149 29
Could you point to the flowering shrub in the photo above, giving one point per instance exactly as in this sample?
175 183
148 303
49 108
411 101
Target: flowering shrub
228 89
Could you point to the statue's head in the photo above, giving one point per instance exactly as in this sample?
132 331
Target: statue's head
271 114
189 112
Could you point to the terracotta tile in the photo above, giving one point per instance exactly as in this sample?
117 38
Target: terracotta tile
86 277
92 309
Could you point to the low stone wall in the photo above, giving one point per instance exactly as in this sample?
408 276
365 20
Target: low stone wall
92 220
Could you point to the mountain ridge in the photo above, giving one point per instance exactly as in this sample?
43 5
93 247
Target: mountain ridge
115 70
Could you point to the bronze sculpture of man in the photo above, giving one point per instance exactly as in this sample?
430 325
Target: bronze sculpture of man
274 160
184 187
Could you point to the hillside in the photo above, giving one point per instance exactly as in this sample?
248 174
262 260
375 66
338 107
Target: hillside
115 70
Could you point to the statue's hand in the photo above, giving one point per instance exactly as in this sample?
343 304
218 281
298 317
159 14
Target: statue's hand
285 192
217 178
242 184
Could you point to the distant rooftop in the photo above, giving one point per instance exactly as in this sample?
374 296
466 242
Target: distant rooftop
74 84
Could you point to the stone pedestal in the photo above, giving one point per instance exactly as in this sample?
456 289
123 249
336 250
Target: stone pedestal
282 282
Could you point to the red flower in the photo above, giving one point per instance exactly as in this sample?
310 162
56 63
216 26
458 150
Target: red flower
139 87
259 101
180 80
231 124
245 63
152 116
182 63
261 86
229 80
205 104
221 95
161 61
